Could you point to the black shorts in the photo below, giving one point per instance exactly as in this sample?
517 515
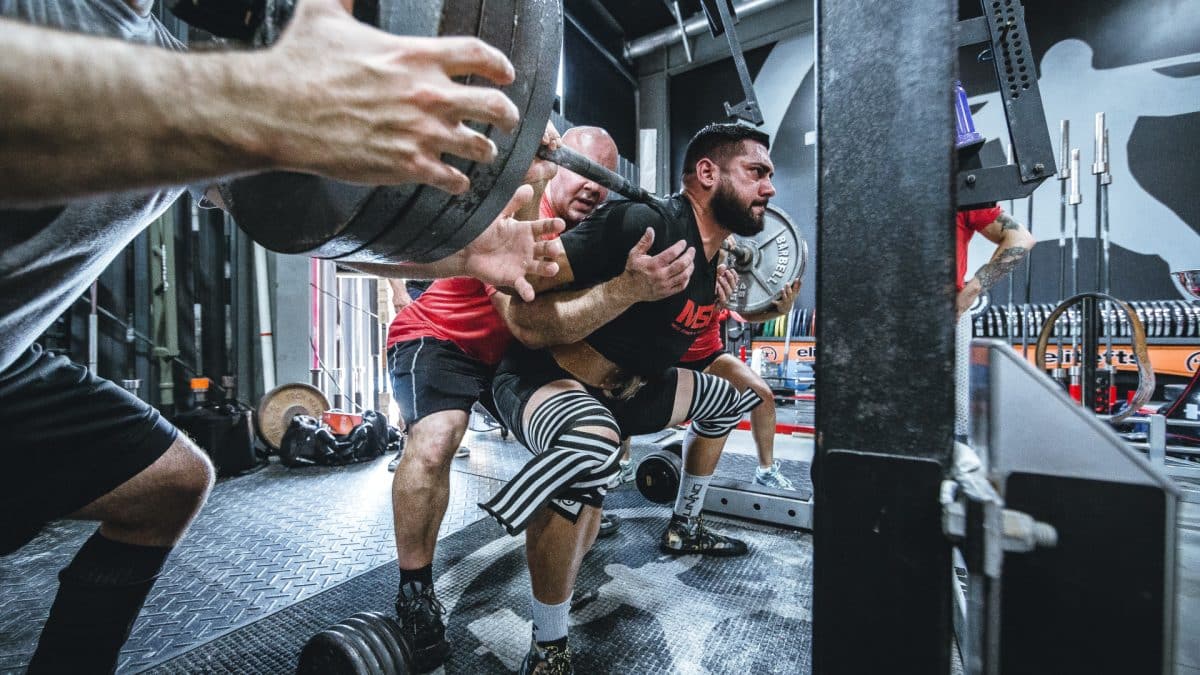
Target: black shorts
700 365
69 438
431 375
524 371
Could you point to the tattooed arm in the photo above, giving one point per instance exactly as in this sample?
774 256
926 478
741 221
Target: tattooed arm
1013 243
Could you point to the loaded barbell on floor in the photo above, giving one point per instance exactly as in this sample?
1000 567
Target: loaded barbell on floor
366 643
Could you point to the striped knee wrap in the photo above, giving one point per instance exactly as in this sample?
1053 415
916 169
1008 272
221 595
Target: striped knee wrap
572 465
717 407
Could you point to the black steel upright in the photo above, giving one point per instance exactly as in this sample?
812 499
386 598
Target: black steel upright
885 387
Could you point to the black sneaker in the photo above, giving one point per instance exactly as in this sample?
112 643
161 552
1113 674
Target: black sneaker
420 615
684 537
608 525
547 660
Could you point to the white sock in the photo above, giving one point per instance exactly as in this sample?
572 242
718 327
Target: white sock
549 621
690 499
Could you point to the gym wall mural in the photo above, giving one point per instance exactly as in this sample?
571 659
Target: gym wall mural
1138 61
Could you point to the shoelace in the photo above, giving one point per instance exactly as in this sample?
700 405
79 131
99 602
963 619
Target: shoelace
707 539
426 597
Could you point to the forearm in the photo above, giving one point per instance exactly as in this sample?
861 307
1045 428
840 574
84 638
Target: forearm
1003 261
451 266
564 317
73 103
761 317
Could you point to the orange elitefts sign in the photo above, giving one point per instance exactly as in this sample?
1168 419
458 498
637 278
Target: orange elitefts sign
1182 360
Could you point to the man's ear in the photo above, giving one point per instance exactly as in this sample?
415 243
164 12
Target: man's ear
707 172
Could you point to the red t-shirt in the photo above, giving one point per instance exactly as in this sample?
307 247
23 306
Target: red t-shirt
967 224
708 342
459 310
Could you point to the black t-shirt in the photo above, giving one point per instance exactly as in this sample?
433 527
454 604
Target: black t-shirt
649 337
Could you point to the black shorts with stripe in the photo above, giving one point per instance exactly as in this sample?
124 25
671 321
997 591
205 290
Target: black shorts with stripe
431 375
523 371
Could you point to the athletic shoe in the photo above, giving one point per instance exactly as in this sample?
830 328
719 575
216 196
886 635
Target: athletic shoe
608 525
688 536
395 461
628 472
547 660
463 451
772 477
420 615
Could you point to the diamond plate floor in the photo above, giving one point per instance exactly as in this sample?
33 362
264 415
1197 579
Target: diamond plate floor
641 612
263 542
268 540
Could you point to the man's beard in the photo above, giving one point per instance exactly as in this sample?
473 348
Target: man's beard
733 216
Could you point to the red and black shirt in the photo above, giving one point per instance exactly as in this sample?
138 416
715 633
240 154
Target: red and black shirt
649 337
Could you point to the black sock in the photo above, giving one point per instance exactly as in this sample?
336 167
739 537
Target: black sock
560 644
421 575
99 596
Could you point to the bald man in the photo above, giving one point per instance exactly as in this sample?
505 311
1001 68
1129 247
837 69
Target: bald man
442 351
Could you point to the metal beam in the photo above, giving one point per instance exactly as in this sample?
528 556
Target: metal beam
697 24
885 418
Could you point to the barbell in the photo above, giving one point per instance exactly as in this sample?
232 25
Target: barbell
366 643
297 213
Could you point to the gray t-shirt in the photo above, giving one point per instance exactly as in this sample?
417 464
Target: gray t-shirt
48 257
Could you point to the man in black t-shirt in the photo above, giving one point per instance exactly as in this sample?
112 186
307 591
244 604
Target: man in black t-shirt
613 374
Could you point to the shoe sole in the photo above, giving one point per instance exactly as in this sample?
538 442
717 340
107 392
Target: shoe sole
430 658
712 552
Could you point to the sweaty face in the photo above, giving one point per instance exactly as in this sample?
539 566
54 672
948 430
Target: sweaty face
738 215
744 190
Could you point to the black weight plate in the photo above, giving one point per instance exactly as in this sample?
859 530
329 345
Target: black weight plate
396 642
358 642
439 213
658 477
536 46
374 635
331 653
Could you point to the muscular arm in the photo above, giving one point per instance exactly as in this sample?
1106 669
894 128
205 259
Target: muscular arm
1013 242
85 115
563 317
503 255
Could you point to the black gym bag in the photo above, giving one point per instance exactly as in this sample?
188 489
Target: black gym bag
309 442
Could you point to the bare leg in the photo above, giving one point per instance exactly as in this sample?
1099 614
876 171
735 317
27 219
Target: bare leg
102 590
700 455
421 485
762 418
155 507
554 548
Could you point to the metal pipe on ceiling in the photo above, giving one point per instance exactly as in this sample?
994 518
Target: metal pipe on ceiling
639 47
